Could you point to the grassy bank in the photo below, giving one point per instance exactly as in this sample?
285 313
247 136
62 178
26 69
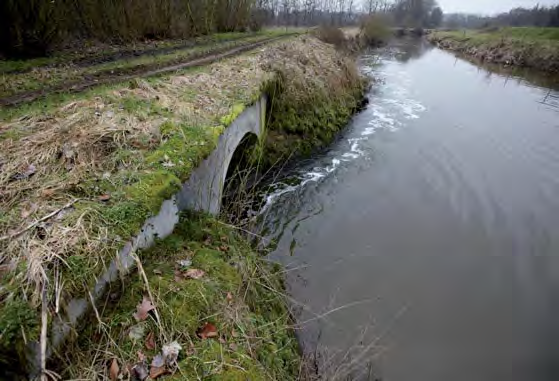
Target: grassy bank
309 102
82 172
239 296
536 48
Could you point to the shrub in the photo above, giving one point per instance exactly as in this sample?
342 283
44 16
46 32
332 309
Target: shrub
374 30
330 35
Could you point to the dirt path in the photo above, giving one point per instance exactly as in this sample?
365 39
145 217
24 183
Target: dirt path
78 86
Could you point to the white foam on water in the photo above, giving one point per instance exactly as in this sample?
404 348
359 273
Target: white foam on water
390 107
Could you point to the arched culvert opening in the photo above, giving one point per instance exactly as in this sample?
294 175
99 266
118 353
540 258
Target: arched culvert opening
240 180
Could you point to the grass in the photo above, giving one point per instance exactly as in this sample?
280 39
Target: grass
52 76
92 52
527 47
523 34
133 143
241 294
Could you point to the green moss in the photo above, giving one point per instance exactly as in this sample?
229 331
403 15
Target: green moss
300 121
183 147
17 318
255 342
236 110
143 108
152 188
125 218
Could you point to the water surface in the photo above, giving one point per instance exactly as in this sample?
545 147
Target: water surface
424 244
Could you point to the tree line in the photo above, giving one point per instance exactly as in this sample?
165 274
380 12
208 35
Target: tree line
36 27
33 27
537 16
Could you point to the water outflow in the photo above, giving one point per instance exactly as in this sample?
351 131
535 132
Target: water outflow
424 245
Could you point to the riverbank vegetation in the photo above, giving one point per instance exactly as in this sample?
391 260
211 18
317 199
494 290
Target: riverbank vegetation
82 172
309 103
536 48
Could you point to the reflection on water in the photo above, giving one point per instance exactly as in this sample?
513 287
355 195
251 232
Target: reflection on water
423 245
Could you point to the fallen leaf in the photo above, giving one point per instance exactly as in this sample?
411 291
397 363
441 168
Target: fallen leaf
29 211
156 372
140 371
137 331
194 273
171 353
105 197
143 309
158 361
47 192
150 341
30 170
207 331
229 297
114 370
157 367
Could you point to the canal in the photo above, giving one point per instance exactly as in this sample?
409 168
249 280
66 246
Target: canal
424 243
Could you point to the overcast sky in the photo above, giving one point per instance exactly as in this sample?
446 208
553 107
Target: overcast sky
489 6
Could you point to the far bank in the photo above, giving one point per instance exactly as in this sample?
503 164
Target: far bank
535 48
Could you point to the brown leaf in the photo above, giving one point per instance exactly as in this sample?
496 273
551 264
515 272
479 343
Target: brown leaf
47 192
29 210
158 367
156 371
194 273
140 371
114 370
29 171
143 309
105 197
207 331
150 341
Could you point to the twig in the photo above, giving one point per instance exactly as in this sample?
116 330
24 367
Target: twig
239 228
32 225
44 325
